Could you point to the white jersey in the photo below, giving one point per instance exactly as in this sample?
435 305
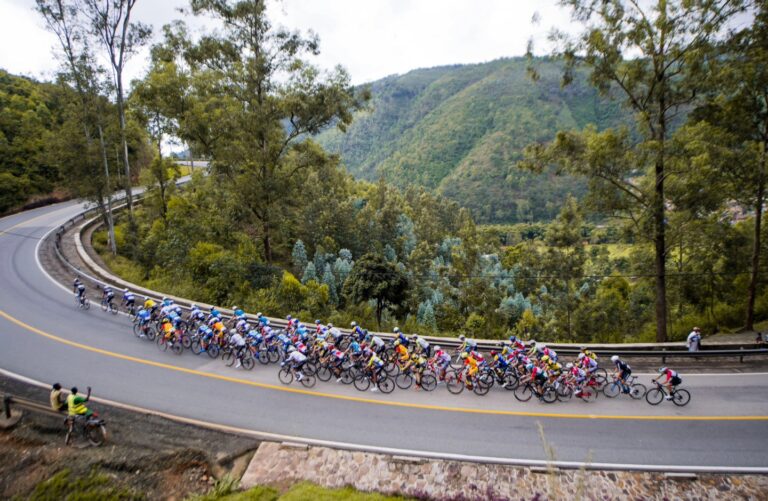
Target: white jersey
422 342
296 356
237 340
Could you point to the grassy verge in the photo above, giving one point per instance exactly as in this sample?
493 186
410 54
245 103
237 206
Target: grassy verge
94 486
299 492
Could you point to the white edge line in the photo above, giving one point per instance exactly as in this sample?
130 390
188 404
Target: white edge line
410 452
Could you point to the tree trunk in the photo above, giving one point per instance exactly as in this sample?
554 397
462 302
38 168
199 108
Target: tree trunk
121 113
659 237
752 292
379 310
266 240
110 219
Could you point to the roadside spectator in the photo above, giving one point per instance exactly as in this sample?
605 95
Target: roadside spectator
760 339
58 402
694 339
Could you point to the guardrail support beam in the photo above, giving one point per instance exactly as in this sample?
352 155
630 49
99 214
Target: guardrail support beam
7 406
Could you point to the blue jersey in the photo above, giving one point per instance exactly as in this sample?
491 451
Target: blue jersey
143 316
354 347
264 321
239 313
205 331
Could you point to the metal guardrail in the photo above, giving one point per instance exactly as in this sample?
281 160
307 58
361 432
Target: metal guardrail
663 352
31 405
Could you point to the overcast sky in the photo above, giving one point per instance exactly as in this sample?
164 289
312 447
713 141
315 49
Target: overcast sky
370 38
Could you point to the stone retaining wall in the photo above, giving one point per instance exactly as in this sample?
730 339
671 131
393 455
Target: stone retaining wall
284 464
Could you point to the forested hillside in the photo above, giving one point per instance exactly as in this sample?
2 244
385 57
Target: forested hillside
459 130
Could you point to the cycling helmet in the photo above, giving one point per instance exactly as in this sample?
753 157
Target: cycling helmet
615 359
291 349
353 324
289 318
662 370
234 308
318 321
125 290
583 348
194 306
462 338
165 298
512 339
569 365
581 355
493 353
529 366
531 343
258 314
464 354
437 348
330 325
397 342
414 357
414 337
396 329
545 358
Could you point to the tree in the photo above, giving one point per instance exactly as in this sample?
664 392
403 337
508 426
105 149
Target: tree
111 22
258 101
330 281
299 256
310 273
653 55
373 278
738 104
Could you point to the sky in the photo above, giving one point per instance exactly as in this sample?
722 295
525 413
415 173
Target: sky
370 38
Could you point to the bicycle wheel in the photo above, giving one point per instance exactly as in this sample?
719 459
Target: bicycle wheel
483 384
112 309
654 396
564 392
104 305
263 356
637 391
213 350
162 343
137 330
273 355
601 375
285 375
454 383
308 380
681 397
386 385
228 358
549 395
362 382
589 394
510 381
86 303
404 380
428 382
348 375
612 390
248 363
96 435
177 348
186 341
456 361
523 393
323 373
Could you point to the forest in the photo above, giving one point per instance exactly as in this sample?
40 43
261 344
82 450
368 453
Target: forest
644 176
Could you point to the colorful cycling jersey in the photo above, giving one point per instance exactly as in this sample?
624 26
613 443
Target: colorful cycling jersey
501 361
578 372
108 292
590 354
537 372
167 327
242 325
128 297
237 340
622 366
354 347
239 313
422 342
255 335
359 333
196 314
284 339
442 356
302 348
143 316
401 350
149 304
296 357
588 364
218 325
377 341
403 339
205 331
374 360
471 361
670 374
264 321
338 354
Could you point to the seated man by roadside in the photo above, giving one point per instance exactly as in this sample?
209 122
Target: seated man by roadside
58 402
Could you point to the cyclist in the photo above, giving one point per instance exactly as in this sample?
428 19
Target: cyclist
129 300
417 364
296 361
442 361
622 372
401 337
142 318
150 305
470 368
237 343
263 321
516 343
588 364
467 345
673 380
536 376
589 354
499 363
79 289
108 295
401 351
166 327
335 333
336 358
76 404
358 331
422 345
196 315
376 343
206 335
375 365
318 327
577 376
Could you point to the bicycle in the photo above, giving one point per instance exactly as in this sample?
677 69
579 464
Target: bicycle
286 376
202 345
246 360
164 343
82 302
384 383
108 305
680 397
146 329
454 381
405 380
547 394
588 392
92 428
633 389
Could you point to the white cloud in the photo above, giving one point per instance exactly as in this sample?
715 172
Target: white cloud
371 38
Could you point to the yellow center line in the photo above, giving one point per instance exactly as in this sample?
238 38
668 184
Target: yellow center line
368 400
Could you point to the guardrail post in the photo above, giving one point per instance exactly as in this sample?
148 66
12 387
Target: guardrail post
741 357
7 406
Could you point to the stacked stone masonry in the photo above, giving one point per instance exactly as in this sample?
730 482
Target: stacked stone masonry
284 464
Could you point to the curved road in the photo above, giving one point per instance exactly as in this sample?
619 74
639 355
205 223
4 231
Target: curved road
46 338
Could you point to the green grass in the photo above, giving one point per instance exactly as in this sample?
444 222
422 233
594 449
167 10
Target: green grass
95 486
300 492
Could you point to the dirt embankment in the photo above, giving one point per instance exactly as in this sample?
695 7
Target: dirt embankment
155 457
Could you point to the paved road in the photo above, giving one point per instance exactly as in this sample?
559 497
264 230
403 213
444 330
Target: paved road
46 338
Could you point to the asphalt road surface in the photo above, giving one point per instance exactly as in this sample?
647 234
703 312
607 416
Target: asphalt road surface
45 337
